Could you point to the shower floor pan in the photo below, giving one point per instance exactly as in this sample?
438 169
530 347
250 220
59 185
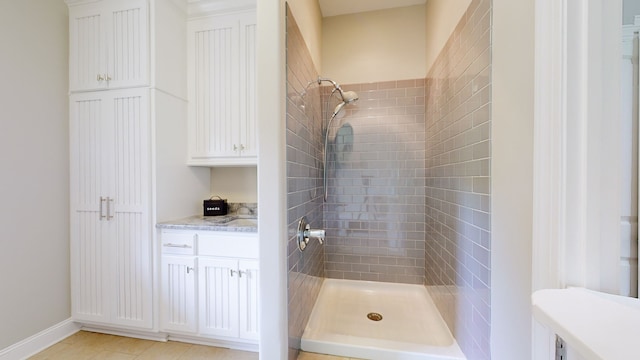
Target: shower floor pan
411 327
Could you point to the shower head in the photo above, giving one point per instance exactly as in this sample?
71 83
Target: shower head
348 96
338 108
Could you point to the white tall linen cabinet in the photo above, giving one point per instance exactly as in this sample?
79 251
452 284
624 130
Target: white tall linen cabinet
128 136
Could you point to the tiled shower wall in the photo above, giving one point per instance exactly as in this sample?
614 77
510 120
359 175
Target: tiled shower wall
375 212
304 182
458 182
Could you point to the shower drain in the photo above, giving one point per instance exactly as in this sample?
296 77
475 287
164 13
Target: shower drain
374 316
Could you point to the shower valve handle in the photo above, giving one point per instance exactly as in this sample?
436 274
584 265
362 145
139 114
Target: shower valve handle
305 233
314 233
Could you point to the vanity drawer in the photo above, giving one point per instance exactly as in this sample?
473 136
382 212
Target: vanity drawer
178 242
228 244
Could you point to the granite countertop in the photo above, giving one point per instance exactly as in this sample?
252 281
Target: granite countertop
237 223
242 217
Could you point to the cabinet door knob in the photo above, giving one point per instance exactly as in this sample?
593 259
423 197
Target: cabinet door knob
107 77
235 147
100 77
241 147
189 269
231 271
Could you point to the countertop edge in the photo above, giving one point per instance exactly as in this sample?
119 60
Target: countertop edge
203 223
596 325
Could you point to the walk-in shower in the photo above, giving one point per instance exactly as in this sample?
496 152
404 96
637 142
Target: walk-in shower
346 97
405 174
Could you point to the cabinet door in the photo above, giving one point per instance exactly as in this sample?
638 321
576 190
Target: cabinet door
109 45
128 130
248 125
213 87
87 47
178 302
89 227
218 296
127 39
249 285
110 236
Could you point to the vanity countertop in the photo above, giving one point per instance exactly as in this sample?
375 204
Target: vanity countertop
231 222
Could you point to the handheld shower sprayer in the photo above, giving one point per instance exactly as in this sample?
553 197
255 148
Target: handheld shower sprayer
347 97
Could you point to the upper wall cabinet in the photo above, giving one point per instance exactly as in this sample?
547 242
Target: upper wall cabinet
109 44
221 86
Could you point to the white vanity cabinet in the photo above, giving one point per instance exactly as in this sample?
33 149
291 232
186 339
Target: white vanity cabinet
221 89
109 44
210 283
110 213
178 276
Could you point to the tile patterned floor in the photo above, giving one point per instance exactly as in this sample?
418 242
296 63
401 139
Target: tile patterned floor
94 346
86 345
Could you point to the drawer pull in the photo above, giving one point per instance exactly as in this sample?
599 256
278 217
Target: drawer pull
183 246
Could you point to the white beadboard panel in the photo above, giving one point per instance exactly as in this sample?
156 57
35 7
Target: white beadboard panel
87 231
111 242
178 293
218 295
88 53
87 153
132 266
128 44
249 299
221 90
132 151
214 99
629 256
248 121
89 300
109 45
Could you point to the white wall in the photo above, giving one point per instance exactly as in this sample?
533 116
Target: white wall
512 178
442 16
34 153
272 194
374 46
236 184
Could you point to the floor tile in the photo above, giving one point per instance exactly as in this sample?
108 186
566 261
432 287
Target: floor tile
112 355
127 345
91 339
69 352
229 354
164 351
201 352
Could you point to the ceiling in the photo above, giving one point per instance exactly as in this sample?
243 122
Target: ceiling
341 7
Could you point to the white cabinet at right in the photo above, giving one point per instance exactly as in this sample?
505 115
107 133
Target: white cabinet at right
221 89
228 300
210 287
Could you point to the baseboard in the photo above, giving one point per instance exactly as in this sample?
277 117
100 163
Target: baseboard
40 341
